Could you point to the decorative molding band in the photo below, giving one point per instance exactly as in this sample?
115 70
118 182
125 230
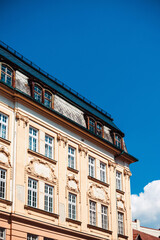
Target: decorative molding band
99 229
120 191
5 141
5 201
19 117
122 236
73 221
72 170
41 211
98 181
61 138
42 156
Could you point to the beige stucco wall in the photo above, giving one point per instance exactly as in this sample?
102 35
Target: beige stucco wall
21 164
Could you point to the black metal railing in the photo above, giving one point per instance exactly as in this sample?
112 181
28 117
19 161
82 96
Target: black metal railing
53 78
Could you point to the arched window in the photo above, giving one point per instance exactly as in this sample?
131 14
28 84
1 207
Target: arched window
6 74
47 99
38 93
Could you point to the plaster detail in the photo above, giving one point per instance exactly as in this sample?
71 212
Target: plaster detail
72 183
62 138
120 203
82 149
112 164
127 172
4 157
42 170
19 117
98 193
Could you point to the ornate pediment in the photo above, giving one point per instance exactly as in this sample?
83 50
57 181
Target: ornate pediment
72 183
42 170
4 157
98 192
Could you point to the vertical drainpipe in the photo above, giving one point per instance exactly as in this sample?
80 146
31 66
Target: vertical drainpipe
14 161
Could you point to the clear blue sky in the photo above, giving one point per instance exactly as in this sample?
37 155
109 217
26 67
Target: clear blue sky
108 51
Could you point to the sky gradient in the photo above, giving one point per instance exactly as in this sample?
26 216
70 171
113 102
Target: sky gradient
108 51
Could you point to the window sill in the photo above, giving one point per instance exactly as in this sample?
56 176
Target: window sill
9 203
99 228
5 141
122 236
72 170
120 191
98 181
42 156
73 221
41 211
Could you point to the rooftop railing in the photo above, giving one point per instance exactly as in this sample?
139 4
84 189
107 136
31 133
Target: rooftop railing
53 78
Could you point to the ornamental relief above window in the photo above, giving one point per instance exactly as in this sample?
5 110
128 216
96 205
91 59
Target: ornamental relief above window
41 169
4 157
72 183
97 192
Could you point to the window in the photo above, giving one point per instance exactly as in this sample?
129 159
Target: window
48 198
118 180
2 183
99 129
72 206
2 234
120 223
38 93
91 166
42 95
71 157
6 74
33 139
3 126
31 237
32 192
47 99
48 146
102 172
95 127
92 212
92 125
104 217
117 140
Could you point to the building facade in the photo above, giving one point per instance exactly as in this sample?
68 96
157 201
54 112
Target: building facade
64 166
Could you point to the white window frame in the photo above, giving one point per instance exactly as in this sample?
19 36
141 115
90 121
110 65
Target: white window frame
32 237
32 191
2 123
71 157
92 213
72 199
48 198
104 217
120 223
118 180
91 167
2 230
3 182
103 172
48 146
32 137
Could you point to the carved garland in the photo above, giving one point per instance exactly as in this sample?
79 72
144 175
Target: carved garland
30 169
91 193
